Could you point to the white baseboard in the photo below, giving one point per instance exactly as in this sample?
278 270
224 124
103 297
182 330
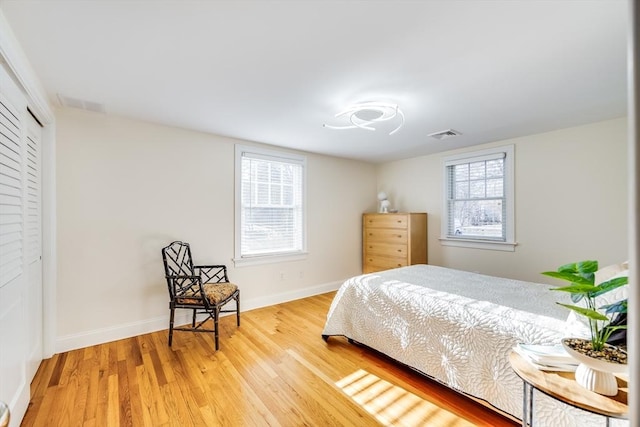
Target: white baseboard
18 406
288 296
127 330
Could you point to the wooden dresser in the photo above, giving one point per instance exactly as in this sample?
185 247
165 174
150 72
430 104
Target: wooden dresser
393 240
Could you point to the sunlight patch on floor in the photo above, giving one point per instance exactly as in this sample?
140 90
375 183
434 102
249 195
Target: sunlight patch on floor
392 405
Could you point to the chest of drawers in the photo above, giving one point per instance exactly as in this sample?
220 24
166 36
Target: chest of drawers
393 240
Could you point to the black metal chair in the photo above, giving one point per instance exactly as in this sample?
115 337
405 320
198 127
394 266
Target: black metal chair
205 289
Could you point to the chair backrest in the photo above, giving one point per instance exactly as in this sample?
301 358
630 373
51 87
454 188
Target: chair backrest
177 261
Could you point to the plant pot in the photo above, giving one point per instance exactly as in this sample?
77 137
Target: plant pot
595 374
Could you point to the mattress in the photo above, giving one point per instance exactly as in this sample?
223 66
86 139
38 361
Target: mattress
457 327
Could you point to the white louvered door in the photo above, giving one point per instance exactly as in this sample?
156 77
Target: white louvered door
33 237
20 248
11 200
13 382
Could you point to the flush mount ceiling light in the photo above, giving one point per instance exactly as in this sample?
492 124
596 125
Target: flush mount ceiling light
366 114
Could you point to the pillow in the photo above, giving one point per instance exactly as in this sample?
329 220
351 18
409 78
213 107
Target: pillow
577 325
608 272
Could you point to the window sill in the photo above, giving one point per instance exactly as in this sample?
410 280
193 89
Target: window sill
269 259
479 244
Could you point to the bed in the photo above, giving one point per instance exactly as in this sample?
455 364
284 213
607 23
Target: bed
458 328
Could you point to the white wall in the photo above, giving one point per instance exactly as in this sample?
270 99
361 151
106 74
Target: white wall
126 188
571 201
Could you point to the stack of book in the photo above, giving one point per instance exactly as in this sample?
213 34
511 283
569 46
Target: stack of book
547 357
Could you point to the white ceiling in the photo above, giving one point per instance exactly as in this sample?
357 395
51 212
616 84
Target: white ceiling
275 71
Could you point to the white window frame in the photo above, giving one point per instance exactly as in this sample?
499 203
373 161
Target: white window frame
509 243
276 155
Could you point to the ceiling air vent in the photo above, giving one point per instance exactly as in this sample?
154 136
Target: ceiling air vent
444 134
67 101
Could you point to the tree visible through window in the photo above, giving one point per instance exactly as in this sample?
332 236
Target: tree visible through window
477 201
479 196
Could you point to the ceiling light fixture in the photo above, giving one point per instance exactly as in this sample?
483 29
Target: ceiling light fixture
366 114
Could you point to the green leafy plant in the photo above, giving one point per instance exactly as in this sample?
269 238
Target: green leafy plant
583 287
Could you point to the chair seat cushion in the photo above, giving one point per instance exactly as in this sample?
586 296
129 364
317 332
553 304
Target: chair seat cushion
215 293
218 292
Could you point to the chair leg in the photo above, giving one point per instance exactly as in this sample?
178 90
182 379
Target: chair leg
216 314
171 324
238 309
193 320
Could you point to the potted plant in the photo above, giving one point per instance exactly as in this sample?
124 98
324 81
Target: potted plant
598 360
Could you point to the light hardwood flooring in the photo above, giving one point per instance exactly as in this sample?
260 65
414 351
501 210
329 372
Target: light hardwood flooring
275 370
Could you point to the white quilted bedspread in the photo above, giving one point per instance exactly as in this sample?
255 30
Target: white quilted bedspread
457 327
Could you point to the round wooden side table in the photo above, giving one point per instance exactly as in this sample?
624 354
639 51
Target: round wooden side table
563 387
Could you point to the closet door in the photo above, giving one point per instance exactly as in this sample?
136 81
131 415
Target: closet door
20 248
33 236
14 386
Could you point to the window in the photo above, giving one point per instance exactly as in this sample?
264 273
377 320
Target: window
478 202
270 211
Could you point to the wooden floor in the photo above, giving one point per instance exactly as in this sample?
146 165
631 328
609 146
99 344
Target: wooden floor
275 370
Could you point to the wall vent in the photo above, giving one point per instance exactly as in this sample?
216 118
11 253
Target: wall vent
67 101
444 134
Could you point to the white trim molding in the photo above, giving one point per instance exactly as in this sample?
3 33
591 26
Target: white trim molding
12 54
509 244
16 62
128 330
479 244
255 152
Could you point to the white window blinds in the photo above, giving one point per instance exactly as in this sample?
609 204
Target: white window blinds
271 204
476 197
